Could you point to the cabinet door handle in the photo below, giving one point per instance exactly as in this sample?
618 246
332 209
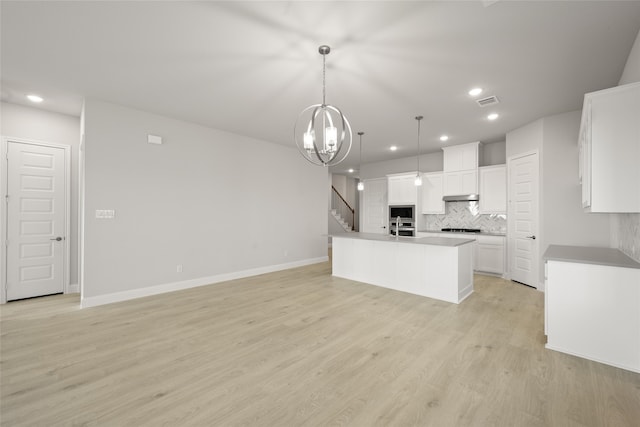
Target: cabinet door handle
531 237
57 239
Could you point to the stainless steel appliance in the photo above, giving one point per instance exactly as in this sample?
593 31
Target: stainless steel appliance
402 220
461 230
462 198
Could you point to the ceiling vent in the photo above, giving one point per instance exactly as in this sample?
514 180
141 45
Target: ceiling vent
489 100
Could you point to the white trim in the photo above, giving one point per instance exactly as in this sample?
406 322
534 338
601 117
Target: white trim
4 164
589 357
86 302
74 288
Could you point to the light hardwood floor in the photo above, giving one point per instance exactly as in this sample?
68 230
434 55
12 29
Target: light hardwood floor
301 348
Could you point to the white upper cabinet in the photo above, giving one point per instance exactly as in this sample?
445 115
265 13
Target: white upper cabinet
493 189
461 169
432 191
402 189
461 182
610 150
461 157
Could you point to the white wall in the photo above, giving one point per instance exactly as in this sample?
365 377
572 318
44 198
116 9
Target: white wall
430 162
222 205
631 72
490 154
19 121
493 154
525 139
564 222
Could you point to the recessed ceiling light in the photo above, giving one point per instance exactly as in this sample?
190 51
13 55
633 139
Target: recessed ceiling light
444 138
475 91
350 170
493 116
34 98
393 148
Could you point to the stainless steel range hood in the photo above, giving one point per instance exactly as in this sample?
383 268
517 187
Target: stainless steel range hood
462 198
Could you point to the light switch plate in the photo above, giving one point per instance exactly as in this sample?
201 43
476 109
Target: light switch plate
105 213
154 139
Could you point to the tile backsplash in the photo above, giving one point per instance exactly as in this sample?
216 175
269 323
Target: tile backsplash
629 232
465 215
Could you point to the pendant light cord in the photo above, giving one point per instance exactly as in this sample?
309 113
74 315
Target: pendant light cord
324 73
418 118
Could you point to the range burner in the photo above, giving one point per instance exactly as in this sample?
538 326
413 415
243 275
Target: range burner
462 230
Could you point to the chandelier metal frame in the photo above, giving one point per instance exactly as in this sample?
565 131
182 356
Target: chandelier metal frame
326 120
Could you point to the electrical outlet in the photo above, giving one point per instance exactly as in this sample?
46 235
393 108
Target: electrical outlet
179 268
286 253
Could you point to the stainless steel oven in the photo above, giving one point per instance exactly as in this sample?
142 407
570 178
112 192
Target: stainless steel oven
402 220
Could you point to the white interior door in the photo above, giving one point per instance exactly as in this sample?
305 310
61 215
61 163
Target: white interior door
523 219
374 206
36 220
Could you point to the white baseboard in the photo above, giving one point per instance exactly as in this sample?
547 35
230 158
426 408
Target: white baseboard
87 302
73 288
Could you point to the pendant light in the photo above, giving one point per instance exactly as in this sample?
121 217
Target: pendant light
322 133
418 180
360 183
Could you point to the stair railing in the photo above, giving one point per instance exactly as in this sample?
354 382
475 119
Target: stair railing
342 207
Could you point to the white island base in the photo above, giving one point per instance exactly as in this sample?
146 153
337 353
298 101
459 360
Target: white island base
434 267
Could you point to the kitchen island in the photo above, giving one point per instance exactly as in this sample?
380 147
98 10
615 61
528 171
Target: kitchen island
434 267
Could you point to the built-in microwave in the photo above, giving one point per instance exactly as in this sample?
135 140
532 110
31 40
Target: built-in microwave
405 226
402 211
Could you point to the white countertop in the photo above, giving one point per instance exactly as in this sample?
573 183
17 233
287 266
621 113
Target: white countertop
435 241
590 255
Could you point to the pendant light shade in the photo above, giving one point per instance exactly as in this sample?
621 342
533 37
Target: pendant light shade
418 180
322 133
360 183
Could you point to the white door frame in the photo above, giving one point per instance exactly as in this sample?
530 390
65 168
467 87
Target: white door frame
510 216
3 209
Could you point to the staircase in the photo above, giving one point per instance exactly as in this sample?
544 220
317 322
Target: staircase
341 221
341 210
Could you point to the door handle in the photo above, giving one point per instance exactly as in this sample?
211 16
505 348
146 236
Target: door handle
531 237
57 239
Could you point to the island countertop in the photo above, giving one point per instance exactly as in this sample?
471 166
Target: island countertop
434 241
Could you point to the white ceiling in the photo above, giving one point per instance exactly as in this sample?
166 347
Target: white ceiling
251 67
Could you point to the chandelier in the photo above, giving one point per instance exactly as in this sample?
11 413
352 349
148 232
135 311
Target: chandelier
322 133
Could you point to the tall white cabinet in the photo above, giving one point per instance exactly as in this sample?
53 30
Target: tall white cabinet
610 150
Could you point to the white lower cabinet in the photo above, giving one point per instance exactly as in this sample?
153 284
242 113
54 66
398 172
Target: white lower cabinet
593 311
490 254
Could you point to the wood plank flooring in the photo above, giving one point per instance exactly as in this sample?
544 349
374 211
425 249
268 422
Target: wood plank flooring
301 348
